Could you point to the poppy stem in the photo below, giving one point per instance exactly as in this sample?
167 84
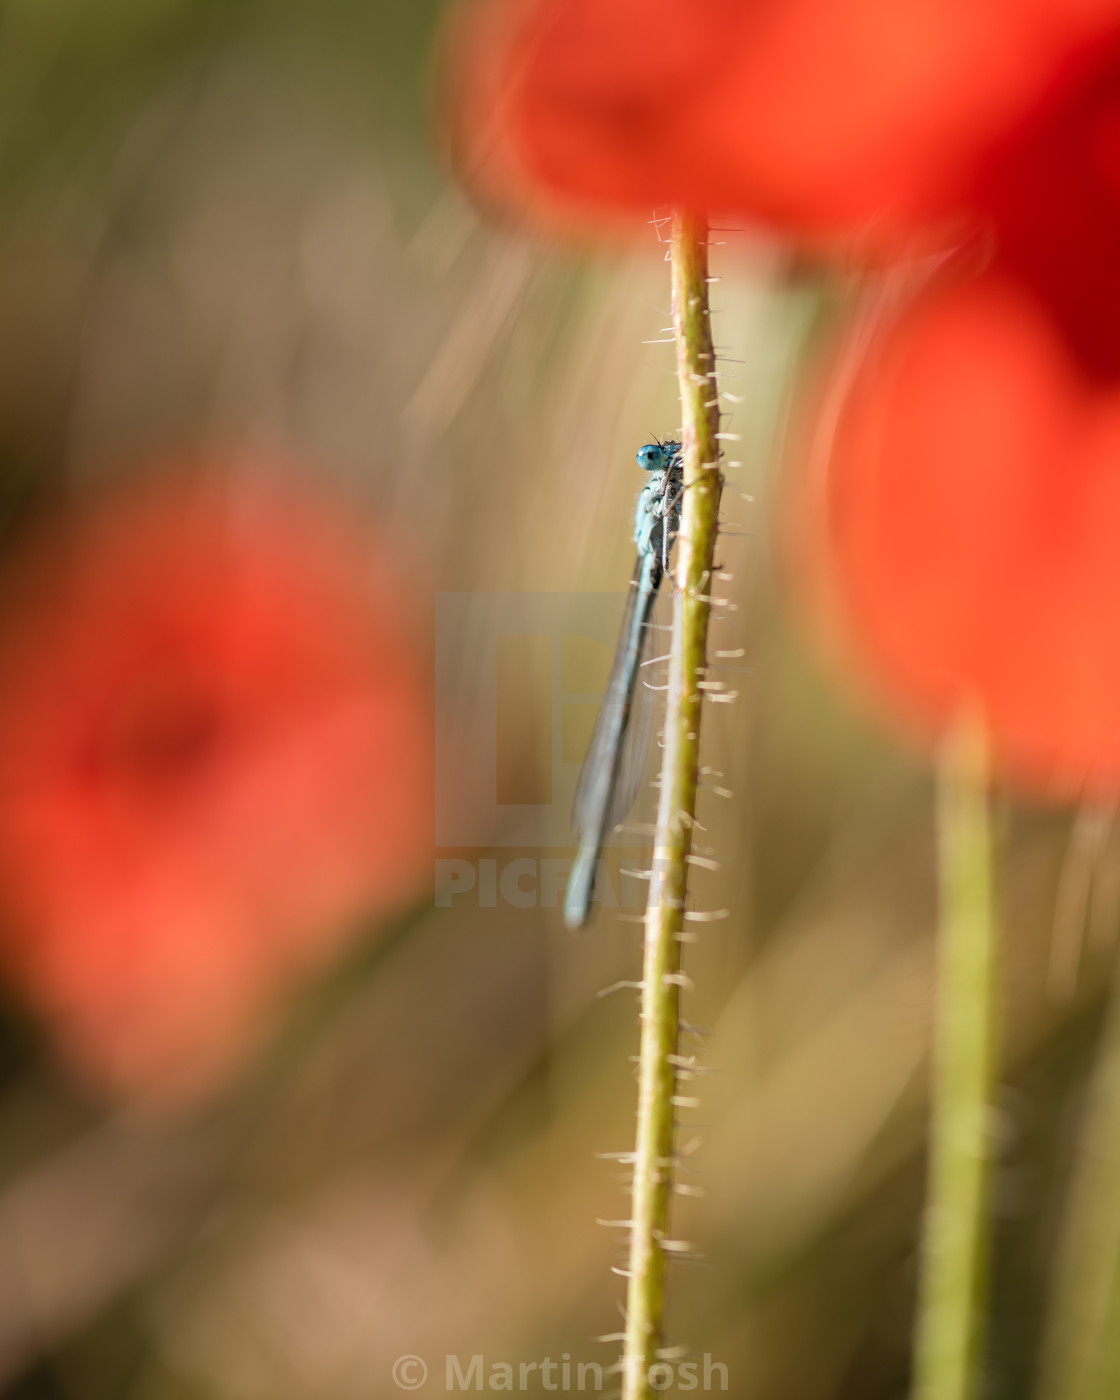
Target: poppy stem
654 1157
950 1310
1081 1359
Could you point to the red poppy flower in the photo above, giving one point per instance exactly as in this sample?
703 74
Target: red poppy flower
971 503
962 537
820 115
214 756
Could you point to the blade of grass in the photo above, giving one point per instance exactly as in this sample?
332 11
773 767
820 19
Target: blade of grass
950 1307
657 1075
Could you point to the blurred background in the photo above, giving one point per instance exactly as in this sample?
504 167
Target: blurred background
229 223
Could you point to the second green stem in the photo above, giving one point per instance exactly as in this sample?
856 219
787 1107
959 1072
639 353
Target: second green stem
951 1303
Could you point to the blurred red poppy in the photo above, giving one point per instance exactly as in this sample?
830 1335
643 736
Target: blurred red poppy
971 504
819 115
973 500
962 536
215 755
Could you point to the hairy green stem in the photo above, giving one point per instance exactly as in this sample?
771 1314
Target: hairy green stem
650 1244
949 1334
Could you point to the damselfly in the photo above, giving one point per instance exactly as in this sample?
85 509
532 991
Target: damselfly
612 770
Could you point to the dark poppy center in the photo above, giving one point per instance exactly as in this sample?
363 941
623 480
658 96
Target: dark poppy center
165 737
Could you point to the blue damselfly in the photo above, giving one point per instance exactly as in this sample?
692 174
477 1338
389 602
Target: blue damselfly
612 770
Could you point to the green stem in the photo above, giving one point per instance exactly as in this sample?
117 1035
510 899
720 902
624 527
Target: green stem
950 1311
1082 1355
661 978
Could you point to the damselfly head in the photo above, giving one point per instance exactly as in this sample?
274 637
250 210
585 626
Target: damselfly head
652 457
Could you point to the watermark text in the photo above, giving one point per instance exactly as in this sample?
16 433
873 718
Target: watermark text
477 1373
